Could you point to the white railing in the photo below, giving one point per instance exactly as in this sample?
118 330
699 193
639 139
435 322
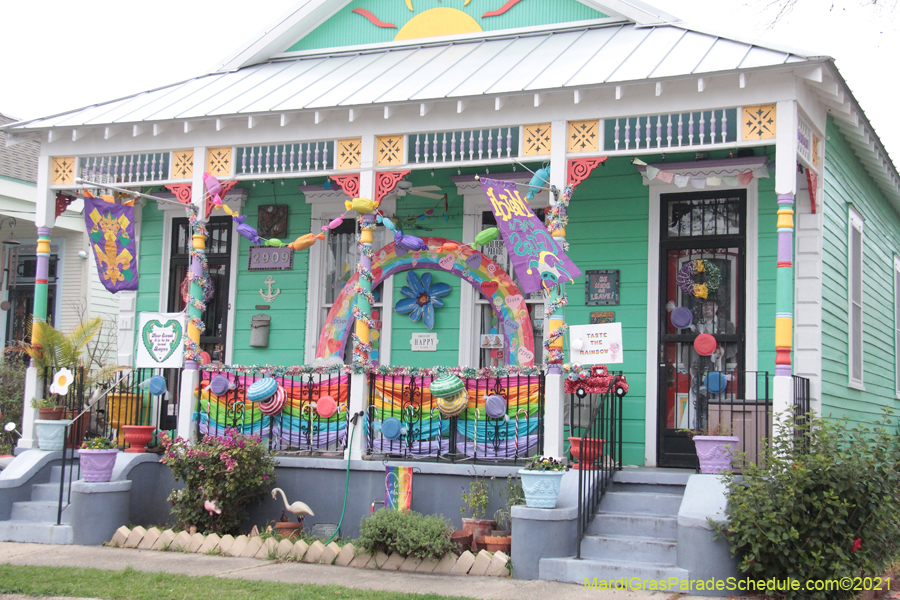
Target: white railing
470 145
126 168
679 130
285 158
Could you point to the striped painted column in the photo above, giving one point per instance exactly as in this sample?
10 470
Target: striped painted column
42 270
361 348
784 286
558 318
199 246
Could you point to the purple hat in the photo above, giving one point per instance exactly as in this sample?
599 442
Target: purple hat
682 317
219 385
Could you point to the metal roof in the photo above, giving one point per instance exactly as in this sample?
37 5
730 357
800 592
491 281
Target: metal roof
558 58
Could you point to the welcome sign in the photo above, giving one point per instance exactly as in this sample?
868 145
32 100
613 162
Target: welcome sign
161 340
537 259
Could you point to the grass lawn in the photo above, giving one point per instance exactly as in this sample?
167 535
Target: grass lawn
131 584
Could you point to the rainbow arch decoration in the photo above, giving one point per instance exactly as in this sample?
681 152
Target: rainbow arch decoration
470 265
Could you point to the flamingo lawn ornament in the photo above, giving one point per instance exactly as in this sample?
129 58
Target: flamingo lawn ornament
212 508
297 508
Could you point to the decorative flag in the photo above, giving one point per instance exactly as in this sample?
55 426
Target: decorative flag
160 341
111 230
398 487
539 262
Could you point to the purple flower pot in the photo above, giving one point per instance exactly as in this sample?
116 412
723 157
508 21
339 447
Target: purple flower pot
715 452
97 465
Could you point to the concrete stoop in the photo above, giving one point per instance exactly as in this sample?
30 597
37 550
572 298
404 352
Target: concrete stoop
34 521
484 563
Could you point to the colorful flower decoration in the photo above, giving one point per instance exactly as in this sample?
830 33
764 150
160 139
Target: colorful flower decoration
421 297
61 382
685 278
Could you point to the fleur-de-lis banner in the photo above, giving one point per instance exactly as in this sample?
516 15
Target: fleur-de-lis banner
111 230
538 260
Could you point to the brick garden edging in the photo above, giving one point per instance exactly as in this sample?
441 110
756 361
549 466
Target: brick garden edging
483 563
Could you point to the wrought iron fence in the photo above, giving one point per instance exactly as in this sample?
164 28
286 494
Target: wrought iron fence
595 427
403 420
314 418
801 411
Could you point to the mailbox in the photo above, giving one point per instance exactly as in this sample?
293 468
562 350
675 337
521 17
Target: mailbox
259 331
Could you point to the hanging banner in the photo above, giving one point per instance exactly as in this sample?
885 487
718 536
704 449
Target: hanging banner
160 340
111 229
398 487
537 259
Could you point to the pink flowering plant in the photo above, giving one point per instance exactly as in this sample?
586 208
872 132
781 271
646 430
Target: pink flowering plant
222 475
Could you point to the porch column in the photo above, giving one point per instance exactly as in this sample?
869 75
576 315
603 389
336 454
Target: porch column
359 387
45 216
555 312
785 188
190 377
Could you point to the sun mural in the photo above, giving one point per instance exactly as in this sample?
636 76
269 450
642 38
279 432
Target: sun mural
372 21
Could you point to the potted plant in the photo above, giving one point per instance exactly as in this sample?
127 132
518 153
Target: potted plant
475 503
541 479
49 408
98 457
501 539
715 448
137 436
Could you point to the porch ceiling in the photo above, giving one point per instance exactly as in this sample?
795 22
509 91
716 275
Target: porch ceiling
576 57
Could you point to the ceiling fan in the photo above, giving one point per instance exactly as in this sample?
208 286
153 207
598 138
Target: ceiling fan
405 188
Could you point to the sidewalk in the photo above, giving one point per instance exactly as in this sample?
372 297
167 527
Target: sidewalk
486 588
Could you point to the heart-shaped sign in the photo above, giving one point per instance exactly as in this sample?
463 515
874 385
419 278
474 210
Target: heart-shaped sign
510 325
339 322
514 300
525 356
161 340
447 263
334 346
474 261
489 287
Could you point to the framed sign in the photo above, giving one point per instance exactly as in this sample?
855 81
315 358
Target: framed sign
601 287
266 258
273 221
491 340
596 344
599 318
424 342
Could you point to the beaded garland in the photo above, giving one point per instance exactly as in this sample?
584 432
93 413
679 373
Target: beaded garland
557 219
685 278
198 227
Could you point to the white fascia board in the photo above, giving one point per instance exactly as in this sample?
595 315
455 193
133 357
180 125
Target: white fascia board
18 190
633 10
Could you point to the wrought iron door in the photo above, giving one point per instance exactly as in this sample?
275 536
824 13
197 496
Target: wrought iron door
702 282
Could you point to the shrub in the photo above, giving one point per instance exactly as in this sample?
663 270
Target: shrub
407 533
824 506
476 499
230 471
12 391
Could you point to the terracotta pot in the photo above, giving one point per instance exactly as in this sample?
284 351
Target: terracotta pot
77 429
52 414
289 530
138 436
479 544
462 539
591 451
478 527
500 533
498 544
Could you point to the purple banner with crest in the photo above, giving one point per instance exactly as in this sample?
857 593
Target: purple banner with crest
111 230
539 262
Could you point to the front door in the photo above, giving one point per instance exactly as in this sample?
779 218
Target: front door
701 315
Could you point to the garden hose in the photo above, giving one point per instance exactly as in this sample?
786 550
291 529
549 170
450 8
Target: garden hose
347 479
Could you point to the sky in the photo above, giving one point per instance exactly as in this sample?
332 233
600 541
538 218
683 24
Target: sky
59 55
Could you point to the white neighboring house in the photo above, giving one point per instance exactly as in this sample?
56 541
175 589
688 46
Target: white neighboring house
75 290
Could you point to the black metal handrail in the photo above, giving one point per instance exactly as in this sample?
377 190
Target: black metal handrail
598 448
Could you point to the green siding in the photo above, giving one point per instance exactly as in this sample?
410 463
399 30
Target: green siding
149 264
846 183
349 29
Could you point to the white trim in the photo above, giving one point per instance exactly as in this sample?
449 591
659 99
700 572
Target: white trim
896 325
168 216
751 299
855 222
231 311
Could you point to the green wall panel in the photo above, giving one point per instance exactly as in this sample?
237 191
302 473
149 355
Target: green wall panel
847 183
347 28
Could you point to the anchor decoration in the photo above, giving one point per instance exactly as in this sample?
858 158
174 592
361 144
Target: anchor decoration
269 297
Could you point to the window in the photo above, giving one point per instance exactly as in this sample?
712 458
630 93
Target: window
897 324
855 283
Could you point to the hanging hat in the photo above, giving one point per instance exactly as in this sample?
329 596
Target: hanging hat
157 385
682 317
495 406
275 404
326 407
391 428
262 389
219 385
715 382
705 344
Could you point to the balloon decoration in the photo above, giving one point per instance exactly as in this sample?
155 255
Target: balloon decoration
495 406
326 407
487 236
262 389
538 181
275 404
705 344
451 394
409 242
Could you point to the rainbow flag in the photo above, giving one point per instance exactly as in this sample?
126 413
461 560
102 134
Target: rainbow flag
398 487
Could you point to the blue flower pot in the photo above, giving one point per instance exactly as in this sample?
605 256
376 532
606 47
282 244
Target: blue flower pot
541 487
51 434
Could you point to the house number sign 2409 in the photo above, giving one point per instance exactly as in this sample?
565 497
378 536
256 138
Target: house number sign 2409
265 258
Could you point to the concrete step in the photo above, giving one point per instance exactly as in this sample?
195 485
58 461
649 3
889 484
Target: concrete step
629 548
648 526
35 533
630 503
653 475
41 512
47 492
647 488
577 571
56 471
